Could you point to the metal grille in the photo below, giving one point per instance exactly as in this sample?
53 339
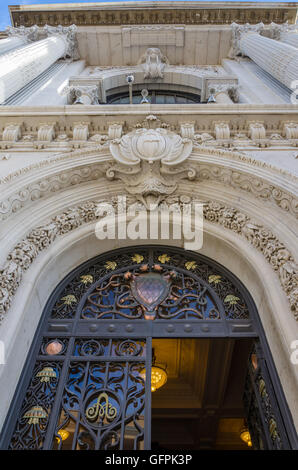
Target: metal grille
84 387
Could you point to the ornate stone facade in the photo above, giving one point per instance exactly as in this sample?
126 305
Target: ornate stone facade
223 131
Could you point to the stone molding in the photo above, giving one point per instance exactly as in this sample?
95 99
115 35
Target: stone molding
187 14
40 238
17 134
147 178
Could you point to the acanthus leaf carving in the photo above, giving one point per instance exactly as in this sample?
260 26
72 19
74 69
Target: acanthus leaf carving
150 152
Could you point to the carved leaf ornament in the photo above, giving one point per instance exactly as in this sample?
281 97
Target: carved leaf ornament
151 145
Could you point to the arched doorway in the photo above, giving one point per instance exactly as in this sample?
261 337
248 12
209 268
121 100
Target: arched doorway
86 382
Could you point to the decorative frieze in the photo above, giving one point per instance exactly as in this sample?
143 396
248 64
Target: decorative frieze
24 134
146 15
260 188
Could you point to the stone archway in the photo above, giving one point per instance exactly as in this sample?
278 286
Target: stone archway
188 263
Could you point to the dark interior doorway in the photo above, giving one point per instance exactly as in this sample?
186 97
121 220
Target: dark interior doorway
201 405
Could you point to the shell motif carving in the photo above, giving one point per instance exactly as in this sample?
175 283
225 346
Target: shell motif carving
151 145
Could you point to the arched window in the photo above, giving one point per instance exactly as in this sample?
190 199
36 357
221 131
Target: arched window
87 379
155 97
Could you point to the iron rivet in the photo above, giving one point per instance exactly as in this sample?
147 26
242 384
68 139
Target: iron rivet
111 328
129 328
170 328
93 327
187 327
205 328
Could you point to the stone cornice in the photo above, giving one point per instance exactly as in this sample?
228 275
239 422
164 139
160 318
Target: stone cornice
138 110
188 13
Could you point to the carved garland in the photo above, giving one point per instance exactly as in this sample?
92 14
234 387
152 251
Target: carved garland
235 178
40 238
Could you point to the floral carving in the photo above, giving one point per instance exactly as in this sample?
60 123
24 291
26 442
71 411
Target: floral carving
25 252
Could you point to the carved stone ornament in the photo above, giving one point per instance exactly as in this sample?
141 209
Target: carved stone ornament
151 145
237 31
69 35
145 158
81 94
256 234
153 63
30 34
276 30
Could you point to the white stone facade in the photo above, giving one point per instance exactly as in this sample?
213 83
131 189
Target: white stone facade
61 145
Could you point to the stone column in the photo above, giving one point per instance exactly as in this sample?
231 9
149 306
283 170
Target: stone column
290 38
11 43
285 33
19 67
277 58
18 37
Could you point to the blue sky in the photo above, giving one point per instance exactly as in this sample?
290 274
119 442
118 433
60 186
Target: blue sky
4 15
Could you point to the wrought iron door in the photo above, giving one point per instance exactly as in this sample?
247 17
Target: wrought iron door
86 383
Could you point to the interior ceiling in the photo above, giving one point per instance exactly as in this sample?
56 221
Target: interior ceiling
200 406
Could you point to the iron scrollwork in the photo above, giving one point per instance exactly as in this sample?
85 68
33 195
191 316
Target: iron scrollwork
31 427
103 375
112 295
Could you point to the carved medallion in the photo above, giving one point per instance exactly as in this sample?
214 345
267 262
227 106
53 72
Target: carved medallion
151 145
